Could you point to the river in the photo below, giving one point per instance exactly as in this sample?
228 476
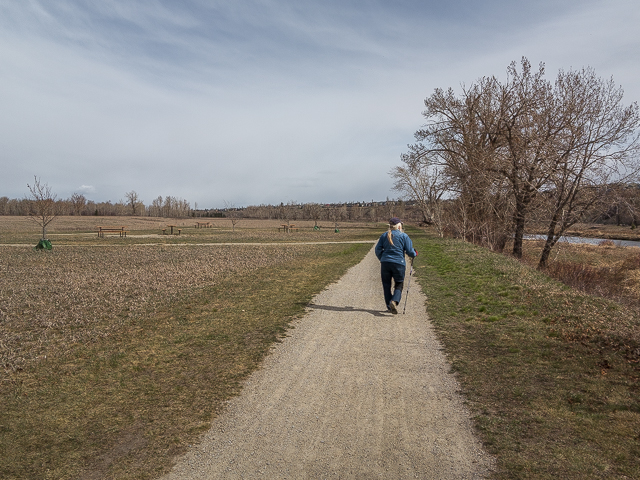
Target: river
591 241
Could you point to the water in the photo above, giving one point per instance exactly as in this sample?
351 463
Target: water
590 241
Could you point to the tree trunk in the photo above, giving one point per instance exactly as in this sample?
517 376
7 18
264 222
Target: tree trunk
548 245
519 231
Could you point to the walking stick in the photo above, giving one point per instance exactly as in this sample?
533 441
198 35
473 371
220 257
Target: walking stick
408 285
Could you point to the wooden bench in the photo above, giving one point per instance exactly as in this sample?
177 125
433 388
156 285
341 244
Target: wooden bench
119 230
288 228
164 230
203 225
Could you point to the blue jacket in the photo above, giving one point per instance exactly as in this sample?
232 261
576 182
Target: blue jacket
395 253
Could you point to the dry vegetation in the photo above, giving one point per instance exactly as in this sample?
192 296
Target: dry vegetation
605 269
116 353
54 300
551 373
51 301
82 231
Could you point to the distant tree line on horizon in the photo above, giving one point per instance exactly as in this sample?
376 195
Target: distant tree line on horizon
622 203
172 207
78 204
43 199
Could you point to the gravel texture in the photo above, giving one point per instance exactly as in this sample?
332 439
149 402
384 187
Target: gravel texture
353 392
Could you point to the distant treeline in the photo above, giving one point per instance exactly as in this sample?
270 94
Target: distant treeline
333 212
79 205
619 212
172 207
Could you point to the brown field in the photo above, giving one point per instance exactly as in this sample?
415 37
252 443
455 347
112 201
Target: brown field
50 301
70 230
116 353
53 301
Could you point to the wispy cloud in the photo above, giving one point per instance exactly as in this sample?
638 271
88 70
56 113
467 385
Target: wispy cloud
250 101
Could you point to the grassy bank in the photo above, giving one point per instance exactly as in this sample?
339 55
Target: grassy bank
551 374
116 388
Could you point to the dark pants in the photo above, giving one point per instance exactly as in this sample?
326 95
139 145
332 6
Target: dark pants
392 271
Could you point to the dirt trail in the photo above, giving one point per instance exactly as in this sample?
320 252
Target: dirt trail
352 393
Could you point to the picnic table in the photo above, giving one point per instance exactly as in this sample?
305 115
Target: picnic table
171 227
287 228
203 225
122 230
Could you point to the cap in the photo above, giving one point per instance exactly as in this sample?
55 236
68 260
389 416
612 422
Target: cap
394 221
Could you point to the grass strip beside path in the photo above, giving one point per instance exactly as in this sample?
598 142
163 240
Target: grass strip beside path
551 376
124 405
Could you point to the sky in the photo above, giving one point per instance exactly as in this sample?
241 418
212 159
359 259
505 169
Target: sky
253 102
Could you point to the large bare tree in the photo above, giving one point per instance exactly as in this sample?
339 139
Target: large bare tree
504 144
599 144
78 202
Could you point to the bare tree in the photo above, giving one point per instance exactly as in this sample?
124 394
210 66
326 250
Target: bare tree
132 201
313 211
503 144
155 209
598 144
461 135
335 213
4 204
232 213
422 180
627 199
42 205
78 202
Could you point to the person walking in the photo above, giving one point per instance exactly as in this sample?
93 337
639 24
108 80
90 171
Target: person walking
390 250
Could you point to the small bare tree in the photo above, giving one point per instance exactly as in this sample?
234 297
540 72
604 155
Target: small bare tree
232 213
42 205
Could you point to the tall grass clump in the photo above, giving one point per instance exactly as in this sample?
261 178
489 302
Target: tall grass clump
604 270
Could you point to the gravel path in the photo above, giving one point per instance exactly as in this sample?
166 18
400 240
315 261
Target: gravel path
353 392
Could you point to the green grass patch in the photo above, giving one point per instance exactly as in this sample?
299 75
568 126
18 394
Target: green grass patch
125 403
550 374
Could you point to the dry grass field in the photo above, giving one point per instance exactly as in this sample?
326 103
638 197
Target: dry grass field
551 373
116 353
52 300
83 230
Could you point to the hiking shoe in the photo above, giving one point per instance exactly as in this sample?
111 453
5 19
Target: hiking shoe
393 306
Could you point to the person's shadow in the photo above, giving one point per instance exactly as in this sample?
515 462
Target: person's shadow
375 313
